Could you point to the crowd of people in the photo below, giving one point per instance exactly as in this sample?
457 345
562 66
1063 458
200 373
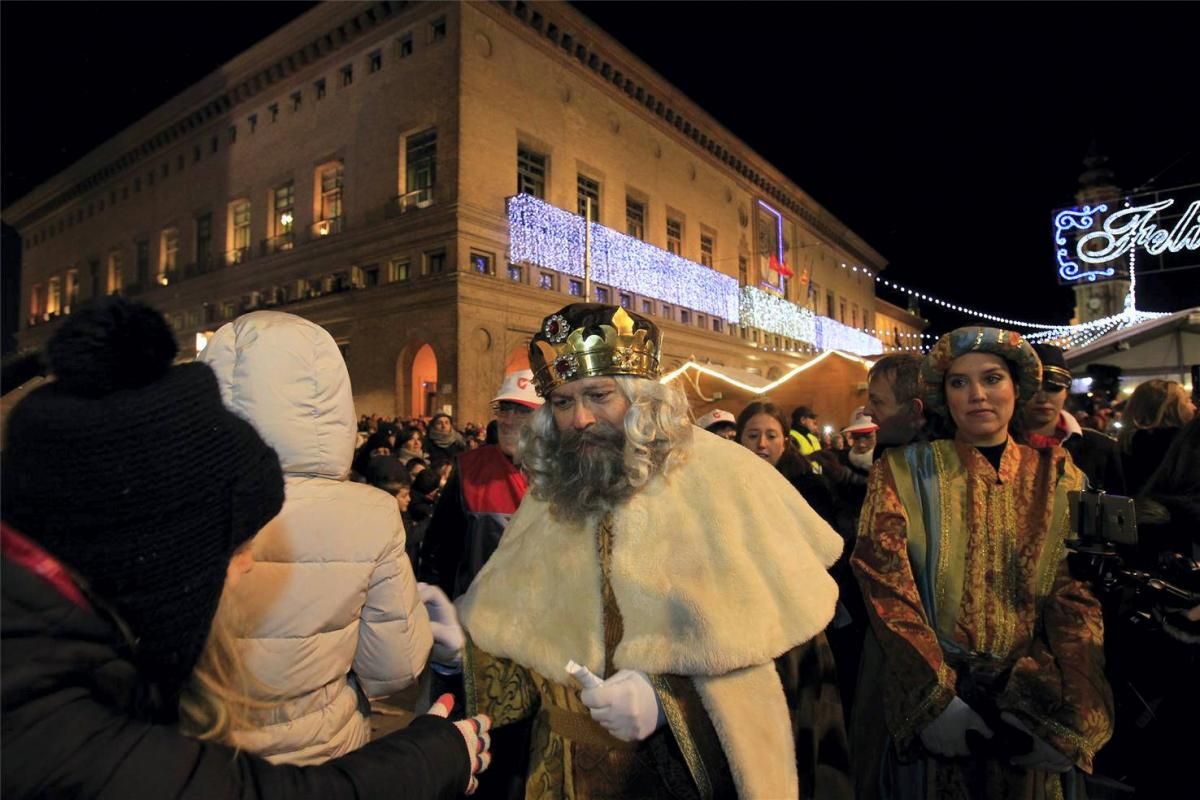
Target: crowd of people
211 569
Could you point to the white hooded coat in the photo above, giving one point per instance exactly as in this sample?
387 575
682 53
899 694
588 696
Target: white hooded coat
331 601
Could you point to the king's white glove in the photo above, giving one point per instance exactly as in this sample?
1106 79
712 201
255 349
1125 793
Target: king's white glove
625 705
448 636
1042 756
946 735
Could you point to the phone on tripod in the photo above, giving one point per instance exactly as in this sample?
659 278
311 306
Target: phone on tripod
1099 516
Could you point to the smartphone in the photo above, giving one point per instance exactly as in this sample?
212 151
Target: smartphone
1108 517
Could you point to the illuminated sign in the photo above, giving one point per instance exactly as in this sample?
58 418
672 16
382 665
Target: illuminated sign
772 244
1098 242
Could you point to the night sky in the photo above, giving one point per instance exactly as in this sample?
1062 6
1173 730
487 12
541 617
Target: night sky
943 134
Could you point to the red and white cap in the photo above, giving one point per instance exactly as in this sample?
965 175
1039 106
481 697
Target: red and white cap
860 422
518 388
715 416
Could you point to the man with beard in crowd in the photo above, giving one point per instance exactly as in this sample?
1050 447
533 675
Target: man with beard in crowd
480 496
686 577
894 402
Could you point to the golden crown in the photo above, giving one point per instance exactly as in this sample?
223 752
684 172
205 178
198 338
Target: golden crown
587 340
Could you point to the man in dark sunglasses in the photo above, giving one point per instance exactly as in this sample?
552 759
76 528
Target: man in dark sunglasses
1049 425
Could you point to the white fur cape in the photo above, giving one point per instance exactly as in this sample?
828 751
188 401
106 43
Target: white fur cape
717 569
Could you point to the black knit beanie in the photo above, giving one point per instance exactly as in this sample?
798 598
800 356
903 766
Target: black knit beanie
135 475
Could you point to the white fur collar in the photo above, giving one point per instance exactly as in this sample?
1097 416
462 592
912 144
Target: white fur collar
719 566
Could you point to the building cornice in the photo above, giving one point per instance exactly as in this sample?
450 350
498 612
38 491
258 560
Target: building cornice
567 31
324 30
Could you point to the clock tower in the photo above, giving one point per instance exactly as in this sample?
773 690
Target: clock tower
1105 297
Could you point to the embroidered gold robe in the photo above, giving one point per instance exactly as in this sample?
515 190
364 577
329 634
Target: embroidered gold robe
963 570
711 580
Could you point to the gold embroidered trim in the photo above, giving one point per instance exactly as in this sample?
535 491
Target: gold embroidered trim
940 693
683 736
943 566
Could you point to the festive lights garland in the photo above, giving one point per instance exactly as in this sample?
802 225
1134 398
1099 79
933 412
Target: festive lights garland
767 388
546 236
773 314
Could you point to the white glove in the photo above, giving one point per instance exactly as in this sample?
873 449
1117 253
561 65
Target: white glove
947 734
448 637
1042 756
476 736
625 705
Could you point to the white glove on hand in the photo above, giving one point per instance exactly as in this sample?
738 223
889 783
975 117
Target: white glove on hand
448 637
947 734
475 734
625 705
1042 756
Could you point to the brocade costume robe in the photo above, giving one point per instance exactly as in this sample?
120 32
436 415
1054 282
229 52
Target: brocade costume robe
688 581
964 573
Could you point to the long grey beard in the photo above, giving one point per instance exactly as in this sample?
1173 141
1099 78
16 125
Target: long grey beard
591 475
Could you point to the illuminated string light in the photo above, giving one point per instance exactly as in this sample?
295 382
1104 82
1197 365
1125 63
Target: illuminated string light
549 237
771 313
766 388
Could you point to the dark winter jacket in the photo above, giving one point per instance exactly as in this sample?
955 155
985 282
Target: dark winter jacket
75 721
1147 450
482 493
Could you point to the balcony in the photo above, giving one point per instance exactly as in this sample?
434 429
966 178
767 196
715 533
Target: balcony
278 244
328 227
403 203
237 255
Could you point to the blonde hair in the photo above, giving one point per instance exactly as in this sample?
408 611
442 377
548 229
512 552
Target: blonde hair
1154 404
216 700
658 433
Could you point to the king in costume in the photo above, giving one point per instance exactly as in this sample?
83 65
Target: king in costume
709 581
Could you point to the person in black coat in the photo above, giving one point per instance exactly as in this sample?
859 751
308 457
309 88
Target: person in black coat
1156 411
763 428
115 556
1047 424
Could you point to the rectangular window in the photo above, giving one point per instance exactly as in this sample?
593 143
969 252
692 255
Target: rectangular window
706 249
854 315
674 236
375 61
35 304
319 88
667 312
239 218
829 305
404 45
398 270
701 320
516 273
626 300
114 279
483 263
602 295
252 119
588 190
635 218
743 271
331 200
575 288
72 291
370 276
716 325
420 159
685 316
433 262
203 240
531 172
284 216
142 266
168 255
347 75
647 306
297 98
54 298
232 133
437 29
546 280
842 308
228 310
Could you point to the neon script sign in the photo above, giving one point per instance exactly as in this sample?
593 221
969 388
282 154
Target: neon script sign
1118 234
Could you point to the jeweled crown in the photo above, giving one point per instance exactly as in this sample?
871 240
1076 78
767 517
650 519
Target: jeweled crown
588 340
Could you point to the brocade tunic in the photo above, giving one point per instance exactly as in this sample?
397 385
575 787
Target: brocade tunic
963 570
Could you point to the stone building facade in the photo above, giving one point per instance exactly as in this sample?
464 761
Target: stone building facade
361 166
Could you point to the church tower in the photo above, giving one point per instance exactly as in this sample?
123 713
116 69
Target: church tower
1106 296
